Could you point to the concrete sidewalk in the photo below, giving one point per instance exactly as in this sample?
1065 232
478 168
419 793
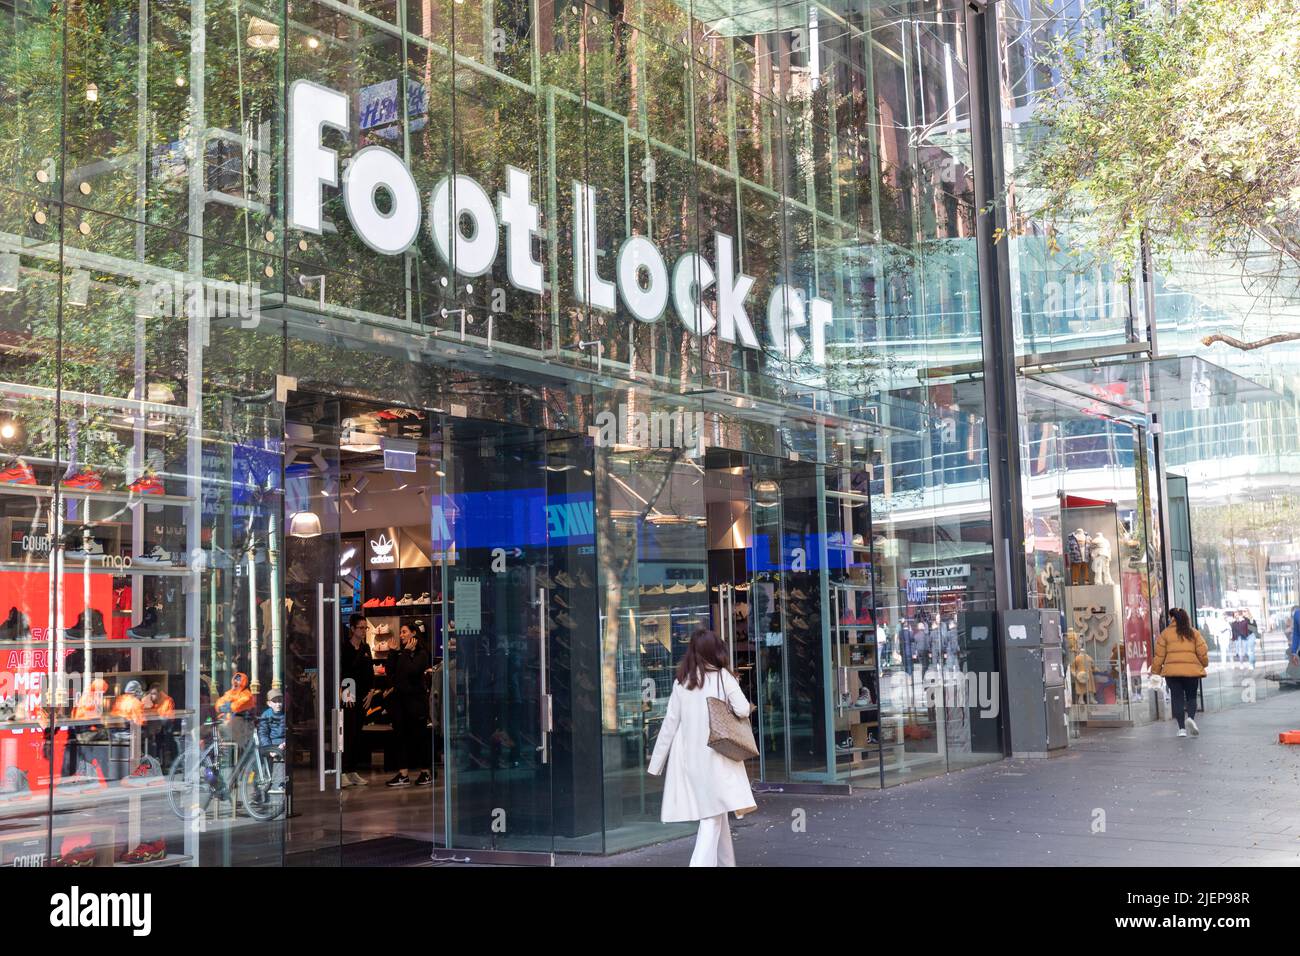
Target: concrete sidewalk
1230 797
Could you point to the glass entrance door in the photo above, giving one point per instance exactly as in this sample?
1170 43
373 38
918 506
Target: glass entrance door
314 835
363 611
522 657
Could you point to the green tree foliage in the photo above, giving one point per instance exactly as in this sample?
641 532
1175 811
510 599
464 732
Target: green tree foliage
1182 124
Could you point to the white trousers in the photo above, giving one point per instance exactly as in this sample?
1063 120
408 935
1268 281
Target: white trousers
713 843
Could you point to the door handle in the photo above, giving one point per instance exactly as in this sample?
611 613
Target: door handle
320 691
546 717
338 706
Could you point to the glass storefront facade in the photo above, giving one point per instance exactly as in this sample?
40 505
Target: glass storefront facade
670 345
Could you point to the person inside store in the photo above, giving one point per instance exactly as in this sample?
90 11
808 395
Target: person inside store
1181 659
407 668
700 783
357 667
159 706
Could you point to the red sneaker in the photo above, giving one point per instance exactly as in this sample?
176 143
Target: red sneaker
18 473
146 853
373 602
83 857
85 481
147 484
388 601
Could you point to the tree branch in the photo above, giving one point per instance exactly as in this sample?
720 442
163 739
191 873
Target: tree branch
1248 346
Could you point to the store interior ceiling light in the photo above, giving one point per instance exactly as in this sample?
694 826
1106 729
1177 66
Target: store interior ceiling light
9 266
304 524
262 34
766 486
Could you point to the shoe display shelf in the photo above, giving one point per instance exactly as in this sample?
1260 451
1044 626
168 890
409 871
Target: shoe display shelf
109 496
857 692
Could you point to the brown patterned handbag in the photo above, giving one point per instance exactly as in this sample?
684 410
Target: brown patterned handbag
729 735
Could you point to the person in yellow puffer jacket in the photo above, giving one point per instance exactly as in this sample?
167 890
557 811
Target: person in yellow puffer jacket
1181 659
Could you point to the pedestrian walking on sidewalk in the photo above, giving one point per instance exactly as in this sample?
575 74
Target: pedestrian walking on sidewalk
701 784
1181 658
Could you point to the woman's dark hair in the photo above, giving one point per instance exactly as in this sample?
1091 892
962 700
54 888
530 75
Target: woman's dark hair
705 652
1182 623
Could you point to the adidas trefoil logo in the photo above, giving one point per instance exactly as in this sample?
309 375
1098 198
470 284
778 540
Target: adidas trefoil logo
382 549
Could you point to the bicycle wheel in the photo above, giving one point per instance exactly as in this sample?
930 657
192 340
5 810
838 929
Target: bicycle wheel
188 790
259 792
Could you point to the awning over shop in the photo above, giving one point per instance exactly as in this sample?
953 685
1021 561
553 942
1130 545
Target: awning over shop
1138 387
1075 501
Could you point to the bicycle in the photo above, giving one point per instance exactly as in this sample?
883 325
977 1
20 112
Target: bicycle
196 777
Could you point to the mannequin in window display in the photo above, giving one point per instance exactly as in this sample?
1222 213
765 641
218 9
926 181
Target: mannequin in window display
1077 554
1081 673
1099 553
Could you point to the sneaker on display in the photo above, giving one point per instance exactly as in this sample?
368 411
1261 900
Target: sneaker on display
559 599
15 626
698 587
83 857
401 780
15 783
157 556
844 743
423 598
146 853
84 480
146 773
89 549
864 699
373 602
78 629
404 600
17 472
848 619
423 780
147 484
865 619
584 579
563 580
149 628
844 700
389 601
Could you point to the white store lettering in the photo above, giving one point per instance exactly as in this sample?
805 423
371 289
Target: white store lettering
641 278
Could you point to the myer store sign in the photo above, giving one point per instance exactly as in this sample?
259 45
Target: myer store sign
642 279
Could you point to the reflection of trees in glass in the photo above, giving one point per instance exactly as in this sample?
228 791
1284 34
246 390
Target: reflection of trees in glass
1177 128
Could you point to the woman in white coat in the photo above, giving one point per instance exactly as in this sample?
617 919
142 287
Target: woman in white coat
701 783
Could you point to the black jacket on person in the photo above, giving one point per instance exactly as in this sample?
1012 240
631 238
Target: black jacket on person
405 671
356 664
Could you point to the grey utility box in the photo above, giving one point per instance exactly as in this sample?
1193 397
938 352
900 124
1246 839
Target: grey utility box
1035 676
